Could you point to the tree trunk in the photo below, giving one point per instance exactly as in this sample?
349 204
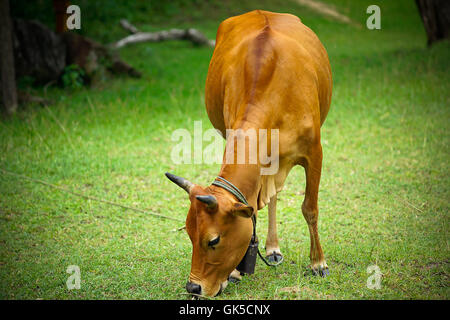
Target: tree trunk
60 8
436 18
8 79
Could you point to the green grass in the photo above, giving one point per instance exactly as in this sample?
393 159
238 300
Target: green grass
384 196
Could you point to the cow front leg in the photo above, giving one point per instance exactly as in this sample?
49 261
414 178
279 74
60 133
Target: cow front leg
273 253
310 210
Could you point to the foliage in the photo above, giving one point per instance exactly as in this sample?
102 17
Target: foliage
72 77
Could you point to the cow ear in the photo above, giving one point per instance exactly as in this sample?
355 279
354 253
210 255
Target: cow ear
240 209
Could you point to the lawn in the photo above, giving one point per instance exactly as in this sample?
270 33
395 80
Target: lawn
383 200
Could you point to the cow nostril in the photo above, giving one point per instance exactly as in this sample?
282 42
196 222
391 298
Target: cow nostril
193 288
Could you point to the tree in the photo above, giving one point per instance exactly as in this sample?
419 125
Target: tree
60 8
8 78
436 18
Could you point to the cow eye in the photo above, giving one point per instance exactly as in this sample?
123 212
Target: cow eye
213 242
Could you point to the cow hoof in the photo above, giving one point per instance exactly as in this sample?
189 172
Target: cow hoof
275 258
235 276
321 271
233 279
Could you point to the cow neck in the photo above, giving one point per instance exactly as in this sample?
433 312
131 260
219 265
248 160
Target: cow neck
246 178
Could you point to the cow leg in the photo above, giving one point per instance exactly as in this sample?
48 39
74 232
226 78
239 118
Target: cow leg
273 253
313 168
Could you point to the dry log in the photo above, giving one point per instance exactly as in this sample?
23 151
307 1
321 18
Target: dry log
193 35
128 26
42 54
38 51
87 54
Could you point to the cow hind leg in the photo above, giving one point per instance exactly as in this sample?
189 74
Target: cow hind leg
313 168
273 253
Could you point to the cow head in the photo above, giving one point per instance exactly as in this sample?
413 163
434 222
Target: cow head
220 230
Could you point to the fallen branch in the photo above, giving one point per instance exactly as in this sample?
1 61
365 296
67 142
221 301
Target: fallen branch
193 35
329 11
128 26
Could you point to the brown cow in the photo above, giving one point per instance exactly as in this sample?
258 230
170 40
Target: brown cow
268 71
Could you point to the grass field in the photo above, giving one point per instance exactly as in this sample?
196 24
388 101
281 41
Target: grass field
384 196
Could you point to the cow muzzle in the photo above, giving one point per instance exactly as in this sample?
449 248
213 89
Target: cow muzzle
193 288
196 290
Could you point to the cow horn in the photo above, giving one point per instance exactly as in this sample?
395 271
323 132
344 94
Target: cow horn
211 201
181 182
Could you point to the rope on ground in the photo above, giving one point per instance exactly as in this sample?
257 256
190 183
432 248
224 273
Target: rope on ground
88 197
